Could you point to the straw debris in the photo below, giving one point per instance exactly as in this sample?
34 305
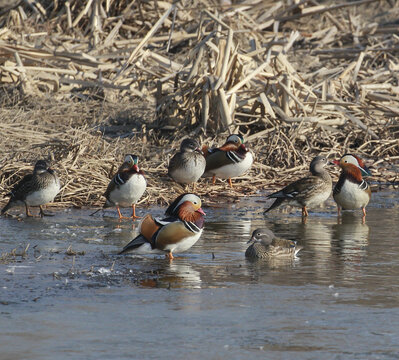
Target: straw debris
83 83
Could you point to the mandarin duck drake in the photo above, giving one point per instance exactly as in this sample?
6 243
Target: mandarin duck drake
177 232
351 191
230 160
188 165
36 189
266 245
126 187
308 191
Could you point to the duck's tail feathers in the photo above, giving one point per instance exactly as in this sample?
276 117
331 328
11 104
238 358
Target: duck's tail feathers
276 203
134 244
298 248
277 194
6 208
108 204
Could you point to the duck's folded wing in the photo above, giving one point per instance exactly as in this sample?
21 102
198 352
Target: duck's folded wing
172 233
134 244
111 186
174 162
308 186
281 247
148 228
300 188
216 160
120 178
276 251
284 243
22 188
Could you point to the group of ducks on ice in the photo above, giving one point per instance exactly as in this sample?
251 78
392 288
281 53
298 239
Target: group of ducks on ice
183 223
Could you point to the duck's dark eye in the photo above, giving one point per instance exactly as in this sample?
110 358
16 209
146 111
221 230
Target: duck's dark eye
346 161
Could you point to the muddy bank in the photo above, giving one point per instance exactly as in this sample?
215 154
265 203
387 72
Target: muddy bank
86 142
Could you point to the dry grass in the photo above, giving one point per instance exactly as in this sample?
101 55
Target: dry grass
15 255
84 83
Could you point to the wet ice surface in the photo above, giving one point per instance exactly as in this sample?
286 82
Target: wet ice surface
338 300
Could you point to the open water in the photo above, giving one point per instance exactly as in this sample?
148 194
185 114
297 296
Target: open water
71 297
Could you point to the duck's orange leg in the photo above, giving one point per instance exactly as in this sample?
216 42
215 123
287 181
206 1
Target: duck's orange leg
134 216
213 179
120 214
169 256
339 210
42 213
28 213
364 216
305 211
230 183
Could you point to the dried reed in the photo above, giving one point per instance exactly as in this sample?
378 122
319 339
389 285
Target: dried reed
295 80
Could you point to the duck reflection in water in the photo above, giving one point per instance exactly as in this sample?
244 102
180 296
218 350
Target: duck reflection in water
173 275
351 237
317 235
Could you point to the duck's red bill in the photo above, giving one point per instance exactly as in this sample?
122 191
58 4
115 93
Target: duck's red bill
201 211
